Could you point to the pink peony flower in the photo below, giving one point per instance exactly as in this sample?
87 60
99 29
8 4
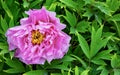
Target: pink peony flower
38 38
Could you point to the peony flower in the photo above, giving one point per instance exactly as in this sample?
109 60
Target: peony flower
39 38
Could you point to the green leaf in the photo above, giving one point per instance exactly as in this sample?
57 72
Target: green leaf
16 66
85 72
70 18
83 44
88 13
55 74
34 3
98 62
36 72
76 70
97 42
82 26
25 4
13 70
53 6
70 3
116 71
80 60
4 24
11 23
68 58
104 72
48 3
72 30
103 8
103 55
113 4
7 10
115 61
115 17
88 1
117 25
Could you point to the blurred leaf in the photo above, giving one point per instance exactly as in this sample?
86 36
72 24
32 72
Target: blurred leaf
76 70
70 3
98 62
116 71
55 74
117 25
83 44
68 58
11 23
16 66
25 3
4 24
72 30
7 10
80 60
113 4
88 13
103 8
104 72
82 26
103 55
36 72
34 3
115 17
85 72
53 6
115 61
1 65
70 18
97 42
88 1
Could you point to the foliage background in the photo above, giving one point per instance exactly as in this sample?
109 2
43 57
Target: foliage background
94 26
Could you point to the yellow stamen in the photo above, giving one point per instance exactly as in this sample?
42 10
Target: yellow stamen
37 37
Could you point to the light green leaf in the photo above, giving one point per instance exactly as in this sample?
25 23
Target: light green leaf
103 55
53 7
98 62
76 70
70 3
85 72
113 4
68 58
70 18
103 8
115 61
115 17
72 30
25 4
82 26
97 42
83 44
36 72
116 71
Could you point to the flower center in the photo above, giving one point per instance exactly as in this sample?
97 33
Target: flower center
37 37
